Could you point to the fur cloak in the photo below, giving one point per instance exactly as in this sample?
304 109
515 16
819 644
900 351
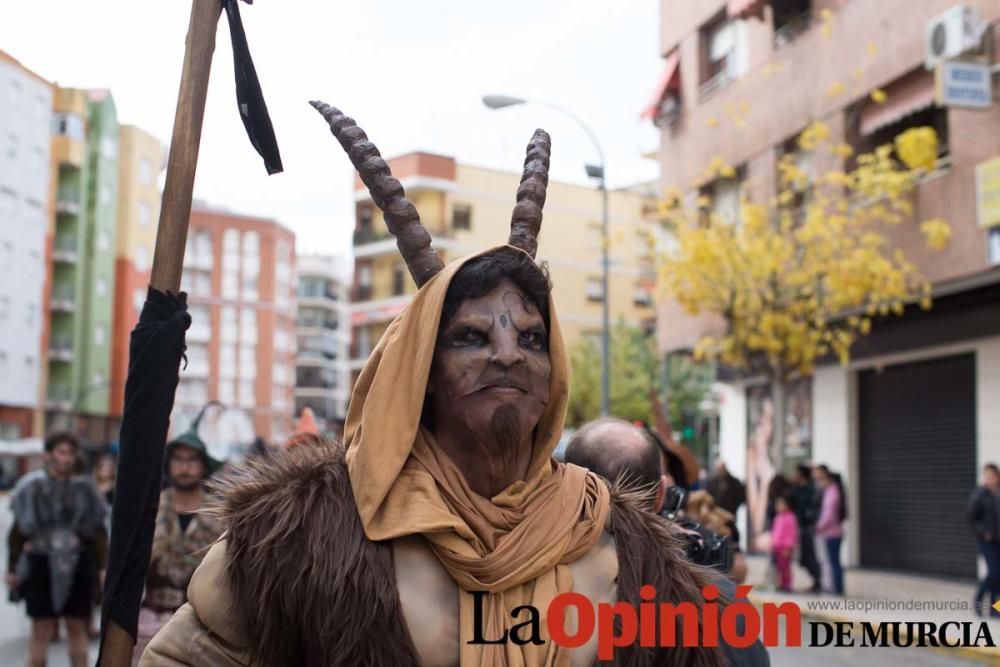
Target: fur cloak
309 588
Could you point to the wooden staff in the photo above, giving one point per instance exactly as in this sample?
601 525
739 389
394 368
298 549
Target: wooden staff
175 208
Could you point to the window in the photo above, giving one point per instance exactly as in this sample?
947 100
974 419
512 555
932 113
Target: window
723 53
38 158
30 316
312 287
365 218
461 217
251 244
642 297
203 246
932 116
595 236
789 18
109 148
248 397
595 289
230 285
103 241
231 241
8 201
248 325
802 160
227 392
141 258
12 141
101 287
98 334
365 275
398 279
68 125
105 194
145 172
230 325
725 196
364 343
248 362
138 300
144 214
227 361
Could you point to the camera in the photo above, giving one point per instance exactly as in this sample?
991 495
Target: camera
702 546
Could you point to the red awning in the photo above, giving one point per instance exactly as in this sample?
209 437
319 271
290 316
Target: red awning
744 9
904 96
671 80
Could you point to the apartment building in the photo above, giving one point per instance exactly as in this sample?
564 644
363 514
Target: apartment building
467 209
240 276
912 418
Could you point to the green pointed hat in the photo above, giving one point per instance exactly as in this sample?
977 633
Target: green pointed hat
190 438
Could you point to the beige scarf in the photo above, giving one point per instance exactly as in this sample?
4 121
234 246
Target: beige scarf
515 545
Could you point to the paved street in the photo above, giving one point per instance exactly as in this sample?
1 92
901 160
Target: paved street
14 628
14 624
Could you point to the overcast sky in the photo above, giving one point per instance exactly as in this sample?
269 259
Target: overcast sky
411 72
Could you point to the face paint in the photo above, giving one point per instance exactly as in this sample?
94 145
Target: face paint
492 354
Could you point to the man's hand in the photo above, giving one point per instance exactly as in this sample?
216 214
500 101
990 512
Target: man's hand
11 580
987 536
100 579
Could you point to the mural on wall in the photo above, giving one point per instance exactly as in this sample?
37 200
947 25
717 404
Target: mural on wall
763 481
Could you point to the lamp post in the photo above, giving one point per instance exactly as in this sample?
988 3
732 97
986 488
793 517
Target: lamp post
596 172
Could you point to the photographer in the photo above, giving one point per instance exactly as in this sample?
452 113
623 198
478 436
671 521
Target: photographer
630 456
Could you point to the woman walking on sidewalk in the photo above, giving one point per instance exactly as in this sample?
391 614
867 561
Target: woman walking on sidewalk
984 517
829 526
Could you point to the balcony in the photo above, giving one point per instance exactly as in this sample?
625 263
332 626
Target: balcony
376 244
63 299
64 250
369 235
60 397
68 200
61 349
361 293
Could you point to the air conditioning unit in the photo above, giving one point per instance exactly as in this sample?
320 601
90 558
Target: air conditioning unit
952 33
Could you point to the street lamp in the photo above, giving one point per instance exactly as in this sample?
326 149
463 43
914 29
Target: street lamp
596 172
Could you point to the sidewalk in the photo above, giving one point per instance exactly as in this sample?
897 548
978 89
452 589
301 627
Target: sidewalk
880 586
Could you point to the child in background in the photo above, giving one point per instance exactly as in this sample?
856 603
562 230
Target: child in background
784 537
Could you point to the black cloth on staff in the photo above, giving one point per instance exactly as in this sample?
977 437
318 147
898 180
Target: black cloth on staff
249 97
155 353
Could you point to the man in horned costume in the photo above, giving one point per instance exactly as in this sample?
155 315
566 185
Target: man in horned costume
443 514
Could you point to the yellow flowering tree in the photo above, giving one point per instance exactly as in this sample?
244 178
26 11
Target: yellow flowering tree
801 277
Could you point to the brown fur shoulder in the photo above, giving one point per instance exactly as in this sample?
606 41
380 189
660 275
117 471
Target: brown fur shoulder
308 587
651 551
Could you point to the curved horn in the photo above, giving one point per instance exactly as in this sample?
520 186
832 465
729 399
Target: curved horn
401 215
526 221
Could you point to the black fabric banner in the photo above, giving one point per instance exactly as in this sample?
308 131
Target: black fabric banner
155 352
250 99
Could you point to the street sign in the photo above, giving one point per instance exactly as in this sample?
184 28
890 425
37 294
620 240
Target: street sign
961 84
988 192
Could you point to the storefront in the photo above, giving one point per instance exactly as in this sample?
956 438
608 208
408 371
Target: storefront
908 423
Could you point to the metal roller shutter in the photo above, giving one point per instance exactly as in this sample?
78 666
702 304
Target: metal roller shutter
917 441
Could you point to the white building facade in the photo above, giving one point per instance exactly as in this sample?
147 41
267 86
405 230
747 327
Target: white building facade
25 214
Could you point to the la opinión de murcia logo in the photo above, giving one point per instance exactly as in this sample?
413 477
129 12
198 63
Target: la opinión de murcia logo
738 624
